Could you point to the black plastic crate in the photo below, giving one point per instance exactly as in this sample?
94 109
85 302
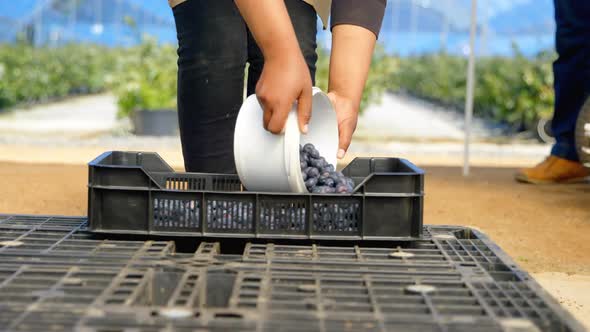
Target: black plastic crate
138 193
453 279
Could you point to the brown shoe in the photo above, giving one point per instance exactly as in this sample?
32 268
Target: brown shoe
554 170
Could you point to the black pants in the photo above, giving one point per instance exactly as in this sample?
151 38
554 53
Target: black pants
214 45
571 71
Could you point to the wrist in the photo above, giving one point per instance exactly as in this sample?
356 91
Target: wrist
281 51
350 97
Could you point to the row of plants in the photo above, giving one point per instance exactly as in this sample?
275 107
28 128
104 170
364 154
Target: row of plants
383 68
145 78
31 74
513 90
516 91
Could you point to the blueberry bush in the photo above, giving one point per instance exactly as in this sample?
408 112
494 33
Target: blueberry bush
145 78
29 75
383 67
517 91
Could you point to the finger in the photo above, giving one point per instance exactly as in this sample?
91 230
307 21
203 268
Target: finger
278 119
304 109
266 116
345 130
266 111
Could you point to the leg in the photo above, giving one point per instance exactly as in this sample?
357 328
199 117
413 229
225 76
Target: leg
572 86
304 20
212 54
571 71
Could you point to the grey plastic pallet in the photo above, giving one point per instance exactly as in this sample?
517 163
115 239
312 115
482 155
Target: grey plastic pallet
66 236
454 279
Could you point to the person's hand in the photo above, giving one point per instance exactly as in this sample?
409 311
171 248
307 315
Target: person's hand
347 111
285 76
352 48
284 80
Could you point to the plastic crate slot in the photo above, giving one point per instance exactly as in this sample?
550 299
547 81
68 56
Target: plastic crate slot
278 216
176 213
229 215
185 183
336 217
226 184
232 315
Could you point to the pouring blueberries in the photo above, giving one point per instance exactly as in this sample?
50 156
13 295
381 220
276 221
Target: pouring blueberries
321 177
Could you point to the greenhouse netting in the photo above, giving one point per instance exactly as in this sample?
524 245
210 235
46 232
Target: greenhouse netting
410 26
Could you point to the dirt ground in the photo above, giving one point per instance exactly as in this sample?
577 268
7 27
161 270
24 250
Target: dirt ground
546 229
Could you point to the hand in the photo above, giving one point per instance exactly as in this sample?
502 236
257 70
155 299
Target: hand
352 47
285 77
347 112
284 80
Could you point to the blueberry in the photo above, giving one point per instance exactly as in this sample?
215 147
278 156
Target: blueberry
350 182
329 182
328 168
327 190
313 172
350 188
341 181
304 157
334 176
308 148
317 190
318 163
311 150
342 188
315 163
311 182
304 175
303 164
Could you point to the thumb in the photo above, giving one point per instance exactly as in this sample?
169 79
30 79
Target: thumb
304 109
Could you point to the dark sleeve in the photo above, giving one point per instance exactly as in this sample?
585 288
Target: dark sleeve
365 13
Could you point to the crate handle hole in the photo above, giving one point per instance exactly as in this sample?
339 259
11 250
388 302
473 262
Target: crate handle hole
229 315
468 264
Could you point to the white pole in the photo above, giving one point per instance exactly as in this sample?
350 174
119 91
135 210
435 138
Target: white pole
413 26
394 18
445 31
470 86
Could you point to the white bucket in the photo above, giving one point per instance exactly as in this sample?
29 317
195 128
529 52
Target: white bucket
268 162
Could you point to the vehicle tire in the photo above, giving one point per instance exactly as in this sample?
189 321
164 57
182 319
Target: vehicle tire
544 133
